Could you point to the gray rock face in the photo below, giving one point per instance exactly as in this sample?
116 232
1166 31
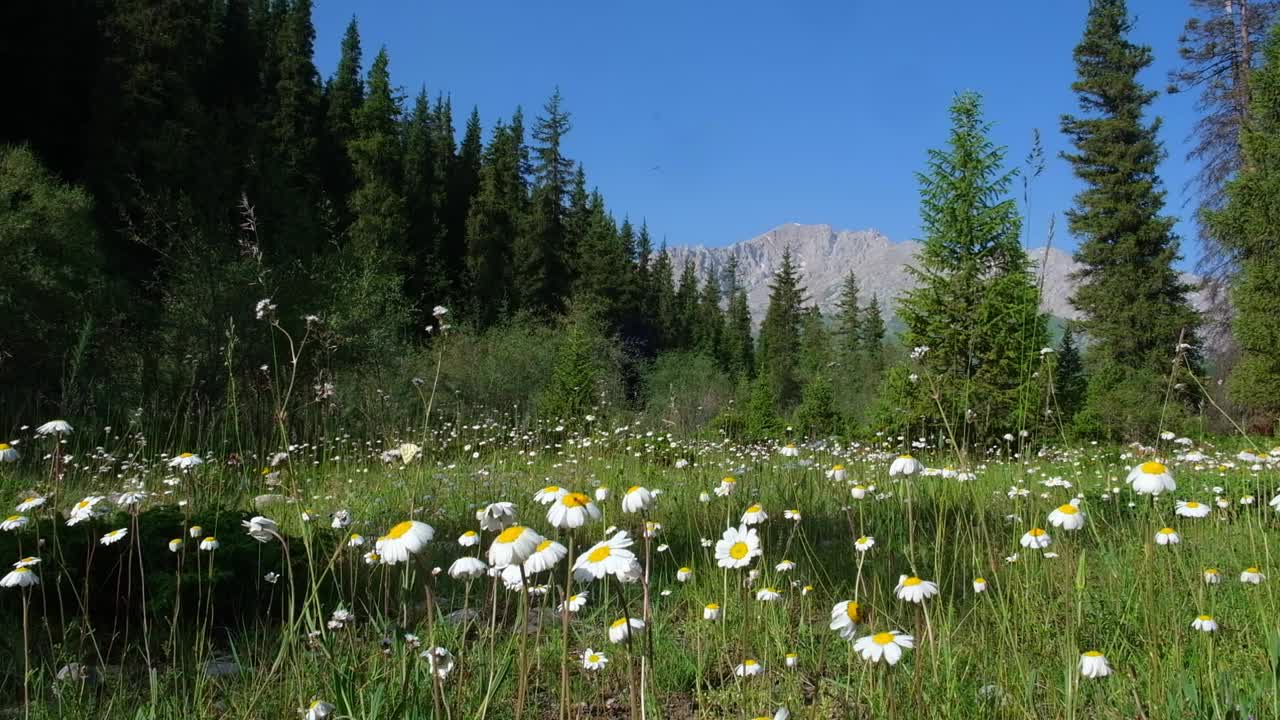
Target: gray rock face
825 255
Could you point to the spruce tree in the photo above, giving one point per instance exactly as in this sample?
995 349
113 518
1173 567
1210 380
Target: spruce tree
663 300
709 328
1249 225
542 257
686 310
976 306
426 284
1133 303
379 212
739 346
815 345
849 323
1068 377
343 97
872 339
778 353
462 182
495 219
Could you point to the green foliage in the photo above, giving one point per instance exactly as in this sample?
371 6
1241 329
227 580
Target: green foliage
739 347
53 278
1134 304
976 307
816 415
685 391
1069 382
1247 226
580 376
761 419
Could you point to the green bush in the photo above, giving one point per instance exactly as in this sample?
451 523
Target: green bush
685 391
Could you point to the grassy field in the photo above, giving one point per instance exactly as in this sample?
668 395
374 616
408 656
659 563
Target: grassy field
304 624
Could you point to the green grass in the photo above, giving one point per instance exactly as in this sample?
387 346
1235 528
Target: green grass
1009 652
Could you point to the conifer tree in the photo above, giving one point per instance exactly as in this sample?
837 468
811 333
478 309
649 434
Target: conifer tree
1133 302
343 97
295 126
815 344
739 346
379 212
872 339
709 328
849 322
1249 223
816 415
542 255
426 284
495 219
976 307
686 310
462 173
664 300
778 353
1068 377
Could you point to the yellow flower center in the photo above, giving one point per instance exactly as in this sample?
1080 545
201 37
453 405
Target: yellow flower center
210 539
838 467
575 500
632 489
22 570
903 457
510 534
469 534
593 658
82 504
357 536
1166 531
1093 654
13 518
619 623
544 545
1153 468
883 638
1205 618
1252 570
911 582
4 446
851 610
1193 504
551 489
728 480
750 663
979 581
1211 571
399 531
738 550
186 455
713 606
1068 509
1036 532
600 554
753 509
684 570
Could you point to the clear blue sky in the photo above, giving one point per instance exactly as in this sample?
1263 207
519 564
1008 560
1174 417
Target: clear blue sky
716 121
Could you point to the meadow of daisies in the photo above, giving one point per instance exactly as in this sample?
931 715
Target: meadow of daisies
615 571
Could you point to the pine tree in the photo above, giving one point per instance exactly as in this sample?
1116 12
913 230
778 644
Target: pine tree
663 297
378 208
295 127
542 258
343 97
849 323
1068 377
739 346
709 328
778 352
816 415
976 307
572 393
495 220
872 339
426 284
686 309
1133 303
1249 223
815 344
462 182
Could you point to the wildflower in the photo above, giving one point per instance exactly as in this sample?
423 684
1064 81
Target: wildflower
1067 517
27 562
355 540
845 618
785 566
1093 664
572 510
1035 538
622 628
1212 576
340 519
114 536
577 601
14 522
913 589
837 473
54 427
737 547
545 557
905 465
496 517
607 557
175 545
711 611
549 494
19 577
372 558
440 660
767 594
602 494
726 487
210 543
513 546
405 539
1151 478
791 514
979 585
84 509
791 659
593 660
681 464
260 528
186 461
195 531
271 577
1252 576
134 497
30 503
1191 509
651 529
754 515
1205 623
1167 536
885 646
637 499
790 450
858 492
684 574
748 668
864 543
8 453
467 568
318 710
